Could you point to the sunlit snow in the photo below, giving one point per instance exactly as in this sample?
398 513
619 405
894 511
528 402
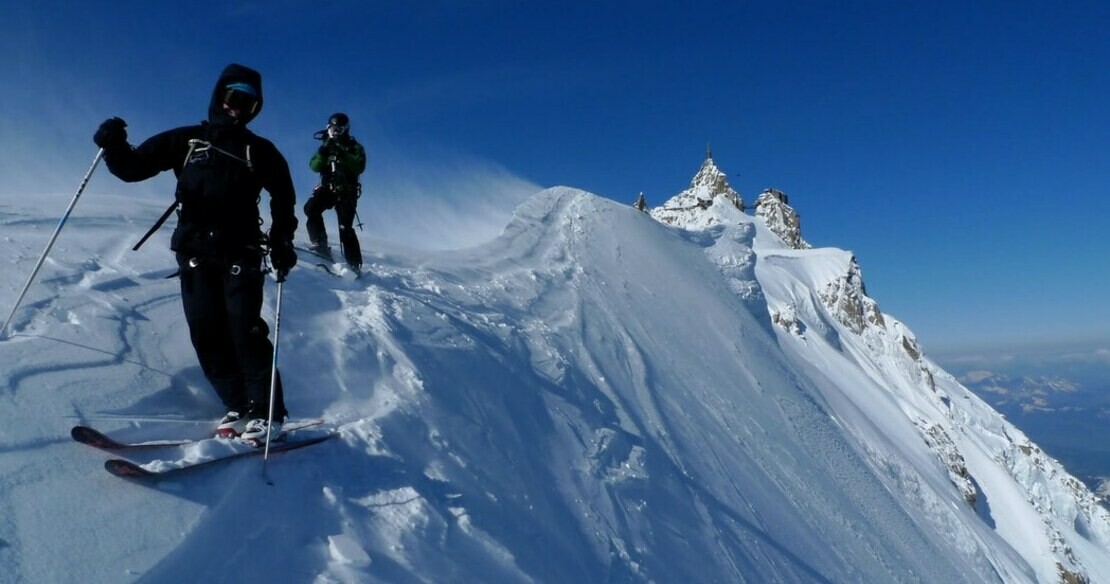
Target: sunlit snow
593 396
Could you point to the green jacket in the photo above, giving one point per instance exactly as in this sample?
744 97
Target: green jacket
350 161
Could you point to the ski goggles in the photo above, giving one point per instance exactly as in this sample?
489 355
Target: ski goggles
335 130
242 97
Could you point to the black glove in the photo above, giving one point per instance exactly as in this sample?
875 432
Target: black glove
111 134
283 257
336 145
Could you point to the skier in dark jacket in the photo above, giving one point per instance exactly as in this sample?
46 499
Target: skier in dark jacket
339 160
221 168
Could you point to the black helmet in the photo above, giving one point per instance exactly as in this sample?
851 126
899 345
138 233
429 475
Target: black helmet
338 124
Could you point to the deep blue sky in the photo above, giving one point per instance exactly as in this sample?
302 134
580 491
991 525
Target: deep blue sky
958 148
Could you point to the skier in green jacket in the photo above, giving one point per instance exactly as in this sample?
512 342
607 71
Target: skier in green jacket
339 160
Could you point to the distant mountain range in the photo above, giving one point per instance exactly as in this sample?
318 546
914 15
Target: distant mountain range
1029 394
1067 417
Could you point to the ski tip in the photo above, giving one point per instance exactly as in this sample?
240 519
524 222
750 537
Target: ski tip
87 435
126 469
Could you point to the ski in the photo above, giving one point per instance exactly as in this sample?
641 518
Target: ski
131 470
327 268
97 439
329 264
327 257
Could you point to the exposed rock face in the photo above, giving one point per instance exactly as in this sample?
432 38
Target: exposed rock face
708 201
847 300
781 219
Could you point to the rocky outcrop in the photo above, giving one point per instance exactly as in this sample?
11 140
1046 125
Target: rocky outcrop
708 201
780 217
847 300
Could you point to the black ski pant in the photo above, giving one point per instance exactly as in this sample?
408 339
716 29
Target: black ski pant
223 307
322 199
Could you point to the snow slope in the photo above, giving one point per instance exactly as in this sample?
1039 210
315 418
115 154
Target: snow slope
593 396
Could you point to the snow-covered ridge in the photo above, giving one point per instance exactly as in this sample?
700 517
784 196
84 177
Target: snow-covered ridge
825 319
592 396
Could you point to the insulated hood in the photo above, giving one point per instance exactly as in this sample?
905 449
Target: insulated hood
233 73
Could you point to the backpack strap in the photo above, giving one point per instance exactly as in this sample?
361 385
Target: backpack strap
194 145
157 226
202 145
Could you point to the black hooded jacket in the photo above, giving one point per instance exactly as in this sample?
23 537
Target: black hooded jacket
218 186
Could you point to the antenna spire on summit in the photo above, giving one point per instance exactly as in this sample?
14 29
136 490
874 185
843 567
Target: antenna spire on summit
708 152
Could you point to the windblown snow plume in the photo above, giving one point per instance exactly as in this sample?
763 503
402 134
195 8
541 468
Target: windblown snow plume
592 396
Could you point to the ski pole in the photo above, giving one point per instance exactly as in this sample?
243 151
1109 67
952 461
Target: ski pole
53 238
273 379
